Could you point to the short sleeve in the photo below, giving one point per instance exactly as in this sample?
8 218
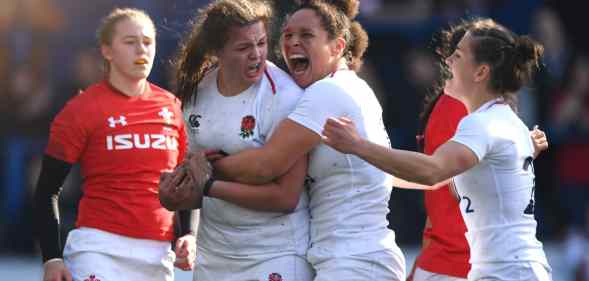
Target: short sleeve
182 136
473 134
320 102
69 131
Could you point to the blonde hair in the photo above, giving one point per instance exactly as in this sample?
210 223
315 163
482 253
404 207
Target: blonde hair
106 30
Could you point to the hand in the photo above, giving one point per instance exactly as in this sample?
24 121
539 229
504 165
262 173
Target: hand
199 169
539 140
56 271
185 252
177 190
341 134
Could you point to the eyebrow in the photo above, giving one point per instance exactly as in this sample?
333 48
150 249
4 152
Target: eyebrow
135 37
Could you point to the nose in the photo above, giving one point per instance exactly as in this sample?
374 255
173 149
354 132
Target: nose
141 48
256 52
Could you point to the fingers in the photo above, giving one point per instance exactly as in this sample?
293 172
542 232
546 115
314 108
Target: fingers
185 253
179 175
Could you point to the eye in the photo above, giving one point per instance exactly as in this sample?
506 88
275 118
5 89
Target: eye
262 43
287 36
307 35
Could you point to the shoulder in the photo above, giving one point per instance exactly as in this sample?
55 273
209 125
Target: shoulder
209 79
86 98
163 93
280 81
474 119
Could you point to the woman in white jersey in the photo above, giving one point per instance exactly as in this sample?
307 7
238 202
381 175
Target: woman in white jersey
490 156
232 100
348 197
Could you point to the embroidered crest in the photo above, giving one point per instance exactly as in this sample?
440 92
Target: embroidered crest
92 278
166 114
248 123
274 277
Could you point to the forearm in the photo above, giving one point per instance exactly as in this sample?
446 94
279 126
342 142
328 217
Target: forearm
282 195
408 165
289 143
185 222
46 206
250 166
401 183
267 197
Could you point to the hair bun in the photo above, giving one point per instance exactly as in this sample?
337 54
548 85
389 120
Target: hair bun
349 7
527 50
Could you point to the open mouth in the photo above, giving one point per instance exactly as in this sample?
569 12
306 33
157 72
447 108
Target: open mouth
254 67
140 62
298 64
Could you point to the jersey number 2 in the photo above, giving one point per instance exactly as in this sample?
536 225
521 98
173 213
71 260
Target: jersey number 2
468 202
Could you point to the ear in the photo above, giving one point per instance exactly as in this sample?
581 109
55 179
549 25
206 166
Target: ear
339 47
482 73
106 52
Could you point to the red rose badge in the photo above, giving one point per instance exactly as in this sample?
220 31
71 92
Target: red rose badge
248 123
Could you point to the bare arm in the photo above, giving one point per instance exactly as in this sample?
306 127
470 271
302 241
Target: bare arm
401 183
290 142
183 189
449 160
279 196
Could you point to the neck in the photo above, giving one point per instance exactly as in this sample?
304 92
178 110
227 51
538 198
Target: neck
229 87
475 101
128 87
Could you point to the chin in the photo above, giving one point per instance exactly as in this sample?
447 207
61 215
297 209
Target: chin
301 82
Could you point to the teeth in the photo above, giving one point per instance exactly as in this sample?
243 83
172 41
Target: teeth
297 56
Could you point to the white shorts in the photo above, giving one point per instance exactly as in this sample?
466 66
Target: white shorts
261 267
382 265
510 271
92 254
424 275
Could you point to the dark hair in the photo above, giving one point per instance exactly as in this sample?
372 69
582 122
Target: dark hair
209 34
444 43
337 19
513 59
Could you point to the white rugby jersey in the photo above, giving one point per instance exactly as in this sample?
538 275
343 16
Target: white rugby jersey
497 195
348 196
234 124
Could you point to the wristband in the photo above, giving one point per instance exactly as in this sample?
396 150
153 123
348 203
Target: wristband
207 188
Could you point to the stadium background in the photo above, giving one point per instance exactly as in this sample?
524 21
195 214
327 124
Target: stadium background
48 52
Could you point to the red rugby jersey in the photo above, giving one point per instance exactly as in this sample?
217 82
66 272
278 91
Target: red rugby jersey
448 251
122 144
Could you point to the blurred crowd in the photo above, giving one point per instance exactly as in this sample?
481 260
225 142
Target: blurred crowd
48 53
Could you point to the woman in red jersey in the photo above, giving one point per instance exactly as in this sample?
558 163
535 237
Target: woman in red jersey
124 132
